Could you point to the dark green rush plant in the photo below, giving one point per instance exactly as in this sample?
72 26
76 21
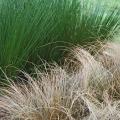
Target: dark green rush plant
33 29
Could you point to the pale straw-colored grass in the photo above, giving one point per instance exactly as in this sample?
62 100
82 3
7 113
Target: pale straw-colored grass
89 91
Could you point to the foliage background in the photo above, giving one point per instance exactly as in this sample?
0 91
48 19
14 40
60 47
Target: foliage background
30 30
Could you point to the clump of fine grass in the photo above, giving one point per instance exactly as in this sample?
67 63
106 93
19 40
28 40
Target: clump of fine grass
90 92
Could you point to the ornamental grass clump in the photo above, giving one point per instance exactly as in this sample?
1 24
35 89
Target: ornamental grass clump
90 92
38 29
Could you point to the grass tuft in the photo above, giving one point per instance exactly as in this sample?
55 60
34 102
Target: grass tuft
90 92
29 29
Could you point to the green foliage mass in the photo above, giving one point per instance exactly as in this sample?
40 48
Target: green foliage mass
32 28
